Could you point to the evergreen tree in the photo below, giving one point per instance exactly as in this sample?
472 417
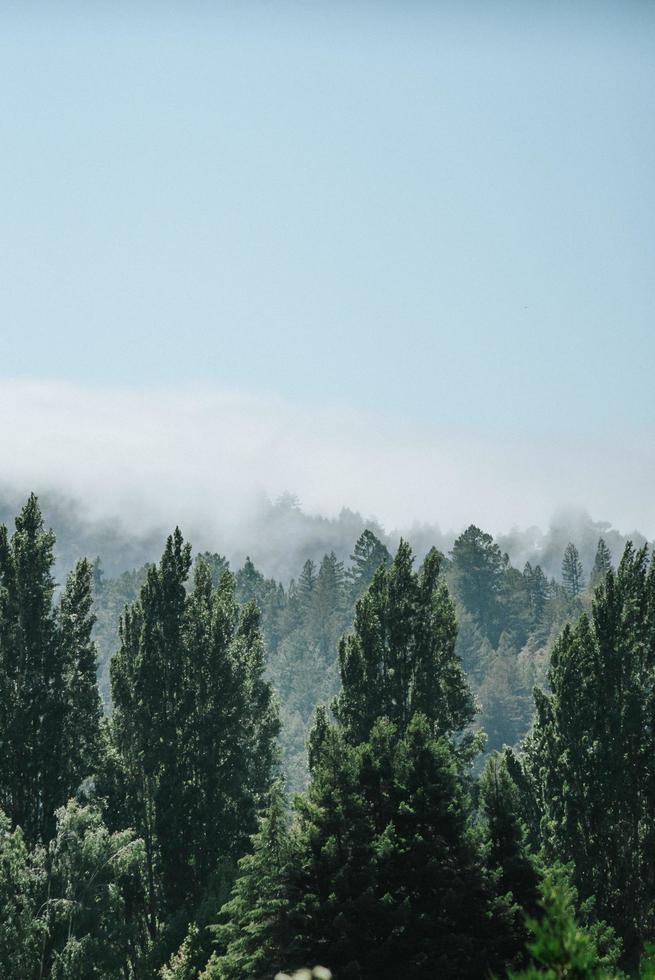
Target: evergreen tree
400 658
391 881
369 553
194 725
589 758
602 564
572 575
94 908
506 843
49 710
561 947
538 590
477 572
21 929
81 734
255 931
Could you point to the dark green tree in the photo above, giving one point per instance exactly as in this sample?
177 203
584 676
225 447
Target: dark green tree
400 658
477 573
22 930
590 756
194 726
507 851
49 709
255 934
561 947
81 734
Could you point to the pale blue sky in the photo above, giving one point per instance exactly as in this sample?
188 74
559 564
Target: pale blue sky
439 212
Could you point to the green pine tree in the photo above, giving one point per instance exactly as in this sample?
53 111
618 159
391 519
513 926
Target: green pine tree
572 573
589 758
49 708
194 726
602 564
254 934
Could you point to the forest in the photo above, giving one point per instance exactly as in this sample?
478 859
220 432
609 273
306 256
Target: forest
425 760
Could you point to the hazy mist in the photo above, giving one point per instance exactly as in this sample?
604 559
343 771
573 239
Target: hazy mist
214 460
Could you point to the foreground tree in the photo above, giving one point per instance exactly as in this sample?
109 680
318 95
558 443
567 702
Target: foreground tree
387 878
561 947
255 929
193 728
590 756
49 704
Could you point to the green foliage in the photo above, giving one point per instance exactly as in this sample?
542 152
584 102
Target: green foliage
589 759
400 658
76 909
561 948
49 705
602 564
254 931
22 931
572 573
193 727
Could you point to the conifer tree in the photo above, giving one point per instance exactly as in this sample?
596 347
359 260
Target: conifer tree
602 564
369 553
194 725
560 946
81 734
477 572
572 574
49 709
590 755
254 934
507 851
400 658
388 877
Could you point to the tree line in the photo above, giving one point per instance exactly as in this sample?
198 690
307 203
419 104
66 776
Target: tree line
163 839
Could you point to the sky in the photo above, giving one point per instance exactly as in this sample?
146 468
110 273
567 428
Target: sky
429 226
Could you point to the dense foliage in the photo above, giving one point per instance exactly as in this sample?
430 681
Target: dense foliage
448 822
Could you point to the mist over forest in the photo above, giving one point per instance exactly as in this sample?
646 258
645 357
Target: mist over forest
279 536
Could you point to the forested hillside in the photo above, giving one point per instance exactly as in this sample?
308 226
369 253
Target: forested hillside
389 764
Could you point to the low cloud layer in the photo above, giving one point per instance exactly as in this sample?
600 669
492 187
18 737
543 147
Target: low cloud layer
206 458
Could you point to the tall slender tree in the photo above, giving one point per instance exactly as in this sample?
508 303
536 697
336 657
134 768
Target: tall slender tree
590 756
49 708
572 573
194 725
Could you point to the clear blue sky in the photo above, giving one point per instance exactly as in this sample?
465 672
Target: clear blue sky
439 212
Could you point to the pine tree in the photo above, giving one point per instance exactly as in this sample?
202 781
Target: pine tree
572 575
507 851
369 553
477 573
561 947
391 880
602 564
81 735
194 725
49 709
388 876
400 658
254 934
589 758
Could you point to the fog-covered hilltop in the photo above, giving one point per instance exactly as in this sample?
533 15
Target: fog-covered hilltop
279 536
